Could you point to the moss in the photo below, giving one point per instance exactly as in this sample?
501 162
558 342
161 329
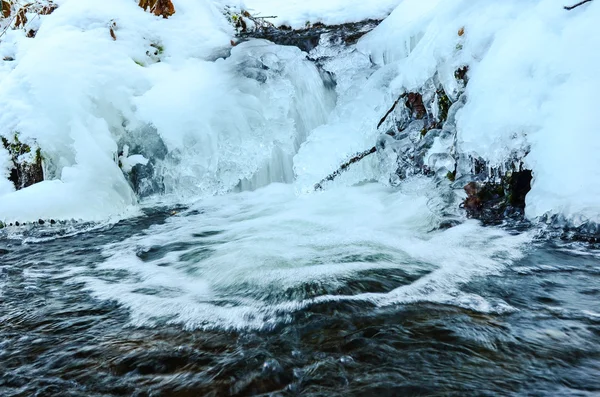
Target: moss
25 171
16 147
160 49
139 63
444 104
451 175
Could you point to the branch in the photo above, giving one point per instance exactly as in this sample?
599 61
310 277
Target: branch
390 111
343 167
569 8
359 156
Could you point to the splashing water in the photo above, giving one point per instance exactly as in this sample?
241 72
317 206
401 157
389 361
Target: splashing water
249 260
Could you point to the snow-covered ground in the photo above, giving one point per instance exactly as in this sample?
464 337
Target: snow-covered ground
298 13
82 96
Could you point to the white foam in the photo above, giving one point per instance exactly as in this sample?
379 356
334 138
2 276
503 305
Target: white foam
249 260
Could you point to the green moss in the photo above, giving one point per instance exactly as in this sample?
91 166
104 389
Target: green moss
451 176
26 170
139 63
444 104
38 156
16 148
160 49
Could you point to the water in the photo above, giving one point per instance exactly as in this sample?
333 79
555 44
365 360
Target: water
270 288
352 291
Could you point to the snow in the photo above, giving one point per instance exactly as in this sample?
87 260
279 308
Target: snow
81 96
236 122
297 13
530 92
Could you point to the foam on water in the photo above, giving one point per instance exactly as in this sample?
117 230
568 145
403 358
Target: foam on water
250 260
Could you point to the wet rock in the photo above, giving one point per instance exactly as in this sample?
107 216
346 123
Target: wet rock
492 202
461 75
414 102
27 162
308 38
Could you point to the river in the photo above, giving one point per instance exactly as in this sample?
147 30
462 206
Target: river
352 291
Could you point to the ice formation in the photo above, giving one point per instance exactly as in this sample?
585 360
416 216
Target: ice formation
124 104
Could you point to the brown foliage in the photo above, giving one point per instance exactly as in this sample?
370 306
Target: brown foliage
5 8
113 27
164 8
21 20
47 9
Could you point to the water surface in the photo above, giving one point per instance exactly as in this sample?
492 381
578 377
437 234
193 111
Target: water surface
353 291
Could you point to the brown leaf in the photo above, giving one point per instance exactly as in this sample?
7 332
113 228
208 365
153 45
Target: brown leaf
47 9
164 8
5 8
21 20
461 31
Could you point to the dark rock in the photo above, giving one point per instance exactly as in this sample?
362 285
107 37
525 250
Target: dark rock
414 102
461 75
27 164
308 38
493 202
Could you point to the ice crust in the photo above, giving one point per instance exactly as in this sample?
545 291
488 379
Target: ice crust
234 118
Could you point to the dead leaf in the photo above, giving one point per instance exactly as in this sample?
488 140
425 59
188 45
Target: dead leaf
6 11
164 8
21 20
48 9
113 27
461 31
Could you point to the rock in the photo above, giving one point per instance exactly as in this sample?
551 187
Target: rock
27 163
493 202
308 38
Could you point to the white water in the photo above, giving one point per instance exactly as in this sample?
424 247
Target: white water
249 260
213 119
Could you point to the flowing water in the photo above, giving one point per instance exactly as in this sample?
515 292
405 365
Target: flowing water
353 291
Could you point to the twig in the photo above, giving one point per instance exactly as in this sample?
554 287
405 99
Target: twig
343 167
569 8
359 156
389 111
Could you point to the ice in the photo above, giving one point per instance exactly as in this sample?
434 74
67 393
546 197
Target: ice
223 122
210 118
297 13
529 96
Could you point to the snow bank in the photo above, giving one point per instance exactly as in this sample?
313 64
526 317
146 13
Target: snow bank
207 125
298 13
532 83
159 89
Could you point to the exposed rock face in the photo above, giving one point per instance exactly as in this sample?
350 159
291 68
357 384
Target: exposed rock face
27 163
307 39
493 202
